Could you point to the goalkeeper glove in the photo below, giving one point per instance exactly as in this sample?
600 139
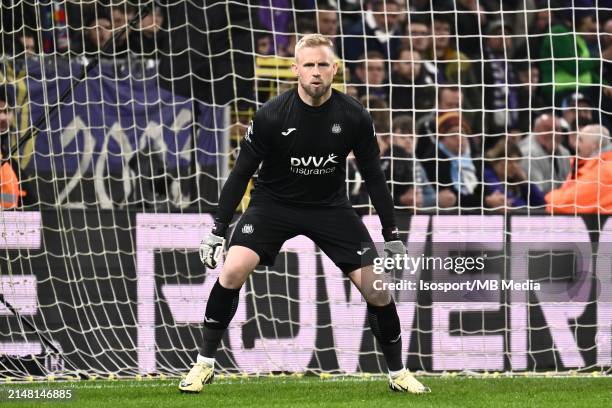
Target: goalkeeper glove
393 244
212 246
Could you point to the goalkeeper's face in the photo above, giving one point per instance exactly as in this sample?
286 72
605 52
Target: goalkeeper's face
315 69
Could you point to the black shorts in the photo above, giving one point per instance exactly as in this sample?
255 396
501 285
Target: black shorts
337 231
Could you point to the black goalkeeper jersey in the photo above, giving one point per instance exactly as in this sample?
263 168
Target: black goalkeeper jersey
302 150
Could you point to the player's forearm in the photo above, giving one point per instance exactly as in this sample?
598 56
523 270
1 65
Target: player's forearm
234 189
376 185
230 197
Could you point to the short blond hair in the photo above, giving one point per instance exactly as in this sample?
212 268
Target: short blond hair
313 40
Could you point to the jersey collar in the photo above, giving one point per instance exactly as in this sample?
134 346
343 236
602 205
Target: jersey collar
320 108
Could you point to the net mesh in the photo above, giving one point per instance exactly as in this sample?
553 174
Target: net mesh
122 120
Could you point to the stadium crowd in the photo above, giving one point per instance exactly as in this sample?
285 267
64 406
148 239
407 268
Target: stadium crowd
476 104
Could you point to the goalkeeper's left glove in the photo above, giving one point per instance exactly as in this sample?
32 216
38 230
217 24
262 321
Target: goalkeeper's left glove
212 246
393 244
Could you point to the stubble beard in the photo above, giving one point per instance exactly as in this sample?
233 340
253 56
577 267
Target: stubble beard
315 93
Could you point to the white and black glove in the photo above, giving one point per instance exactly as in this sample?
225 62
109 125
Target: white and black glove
211 247
393 244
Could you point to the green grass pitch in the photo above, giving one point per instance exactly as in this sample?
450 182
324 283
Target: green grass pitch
336 392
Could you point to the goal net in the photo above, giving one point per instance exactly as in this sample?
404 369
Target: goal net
120 121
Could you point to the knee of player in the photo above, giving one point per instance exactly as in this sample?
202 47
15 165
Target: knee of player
377 297
239 263
232 278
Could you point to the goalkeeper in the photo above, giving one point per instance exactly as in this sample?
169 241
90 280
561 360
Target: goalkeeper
302 139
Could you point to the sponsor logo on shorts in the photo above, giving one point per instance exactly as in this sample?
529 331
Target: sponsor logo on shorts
363 251
247 229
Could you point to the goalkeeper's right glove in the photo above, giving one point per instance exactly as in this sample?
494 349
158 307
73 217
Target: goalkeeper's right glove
212 246
394 246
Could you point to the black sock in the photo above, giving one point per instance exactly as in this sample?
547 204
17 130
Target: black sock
385 325
220 310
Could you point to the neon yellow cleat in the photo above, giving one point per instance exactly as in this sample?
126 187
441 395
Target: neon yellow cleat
405 382
199 375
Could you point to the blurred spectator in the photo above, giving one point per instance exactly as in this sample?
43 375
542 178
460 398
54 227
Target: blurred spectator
545 160
505 181
588 188
440 45
604 10
449 163
10 193
449 100
53 22
218 66
418 33
566 61
530 101
97 31
577 111
380 112
27 39
420 5
327 24
121 15
371 76
263 44
419 38
422 195
536 32
6 116
14 16
499 83
470 19
378 31
452 67
586 27
147 39
606 44
518 14
403 133
395 161
606 72
102 25
350 10
289 51
412 88
275 16
351 90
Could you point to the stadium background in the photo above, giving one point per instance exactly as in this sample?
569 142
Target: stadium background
120 175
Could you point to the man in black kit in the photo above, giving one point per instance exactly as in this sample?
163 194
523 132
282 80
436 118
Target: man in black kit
302 139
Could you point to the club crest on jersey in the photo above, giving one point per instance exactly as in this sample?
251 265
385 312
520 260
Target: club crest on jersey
336 128
247 229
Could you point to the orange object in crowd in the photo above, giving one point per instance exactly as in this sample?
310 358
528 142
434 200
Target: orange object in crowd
9 187
587 190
